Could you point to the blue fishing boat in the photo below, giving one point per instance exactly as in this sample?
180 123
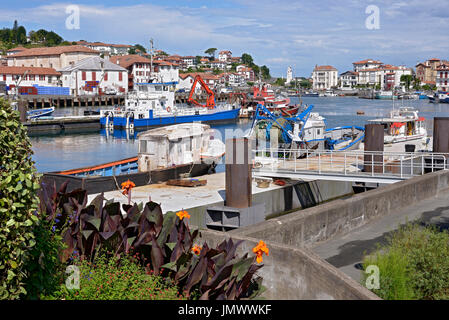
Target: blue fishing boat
153 104
37 113
306 130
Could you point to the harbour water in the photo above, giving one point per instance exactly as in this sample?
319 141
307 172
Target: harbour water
68 151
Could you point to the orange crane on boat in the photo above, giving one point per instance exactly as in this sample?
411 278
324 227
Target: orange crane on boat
210 102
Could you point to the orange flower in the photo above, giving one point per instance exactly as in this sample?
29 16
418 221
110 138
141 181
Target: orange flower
259 250
127 186
196 249
183 214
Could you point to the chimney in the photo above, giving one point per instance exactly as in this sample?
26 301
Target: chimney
106 56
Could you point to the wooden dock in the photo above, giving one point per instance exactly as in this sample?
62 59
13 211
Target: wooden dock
56 125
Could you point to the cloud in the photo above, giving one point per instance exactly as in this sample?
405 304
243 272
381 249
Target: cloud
301 33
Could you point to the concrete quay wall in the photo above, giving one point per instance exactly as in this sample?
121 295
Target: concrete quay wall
307 227
291 273
283 199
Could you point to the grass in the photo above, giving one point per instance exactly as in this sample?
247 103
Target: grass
414 264
117 279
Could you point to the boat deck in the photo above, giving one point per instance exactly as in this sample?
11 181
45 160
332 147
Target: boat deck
174 198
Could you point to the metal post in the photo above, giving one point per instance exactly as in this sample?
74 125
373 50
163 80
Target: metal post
401 166
345 164
319 162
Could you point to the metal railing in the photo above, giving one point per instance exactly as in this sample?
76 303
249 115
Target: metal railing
400 165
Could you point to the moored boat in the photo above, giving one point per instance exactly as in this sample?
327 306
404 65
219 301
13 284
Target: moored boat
403 125
153 104
164 153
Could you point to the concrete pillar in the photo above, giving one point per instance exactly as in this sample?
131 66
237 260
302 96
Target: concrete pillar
374 141
22 107
441 134
238 173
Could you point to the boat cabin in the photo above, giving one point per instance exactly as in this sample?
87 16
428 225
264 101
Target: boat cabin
402 125
173 145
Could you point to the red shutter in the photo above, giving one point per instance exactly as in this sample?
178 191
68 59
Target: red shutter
120 76
4 77
83 75
105 76
94 76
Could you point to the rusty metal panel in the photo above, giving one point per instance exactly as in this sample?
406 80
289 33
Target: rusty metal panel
441 134
238 173
374 141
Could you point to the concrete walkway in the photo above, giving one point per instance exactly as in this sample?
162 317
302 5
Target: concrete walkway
347 251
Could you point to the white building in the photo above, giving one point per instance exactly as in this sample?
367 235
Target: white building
348 80
246 72
189 61
324 77
112 49
166 71
29 76
225 56
366 64
442 77
233 79
94 75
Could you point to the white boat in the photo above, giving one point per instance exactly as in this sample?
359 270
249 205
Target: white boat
329 93
403 125
176 145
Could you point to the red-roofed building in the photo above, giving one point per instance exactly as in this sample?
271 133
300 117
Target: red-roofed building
139 68
232 79
29 76
186 80
324 77
427 71
51 57
348 80
225 56
366 64
442 77
246 72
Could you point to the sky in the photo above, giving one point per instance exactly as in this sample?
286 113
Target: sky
278 34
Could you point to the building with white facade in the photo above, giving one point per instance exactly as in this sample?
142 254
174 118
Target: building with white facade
232 79
112 49
189 62
51 57
225 56
366 64
246 72
348 80
186 81
29 76
442 77
93 76
324 77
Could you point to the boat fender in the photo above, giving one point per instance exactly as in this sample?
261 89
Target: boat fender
131 126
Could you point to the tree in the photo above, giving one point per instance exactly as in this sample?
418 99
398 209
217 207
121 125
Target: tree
140 47
53 39
407 80
280 82
247 59
18 203
198 59
132 50
211 52
306 84
21 35
265 72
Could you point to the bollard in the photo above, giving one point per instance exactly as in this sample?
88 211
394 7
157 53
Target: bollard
238 173
374 141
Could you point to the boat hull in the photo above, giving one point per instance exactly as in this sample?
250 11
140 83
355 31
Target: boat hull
98 184
219 116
